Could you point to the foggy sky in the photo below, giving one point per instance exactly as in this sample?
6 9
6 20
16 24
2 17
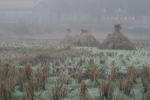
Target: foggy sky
17 4
33 17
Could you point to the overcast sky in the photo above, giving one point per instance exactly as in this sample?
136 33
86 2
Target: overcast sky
141 5
76 14
17 4
7 4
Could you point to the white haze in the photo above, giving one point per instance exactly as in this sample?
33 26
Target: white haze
51 18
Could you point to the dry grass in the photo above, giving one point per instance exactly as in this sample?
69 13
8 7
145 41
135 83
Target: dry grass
146 73
28 72
24 74
21 78
29 90
94 72
146 78
78 76
59 91
126 86
64 78
114 74
31 82
40 77
132 74
146 95
84 95
127 83
8 77
25 78
118 97
106 89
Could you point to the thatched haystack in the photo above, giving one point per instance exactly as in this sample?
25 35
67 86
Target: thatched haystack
84 39
117 40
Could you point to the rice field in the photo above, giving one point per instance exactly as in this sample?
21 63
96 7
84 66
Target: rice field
75 73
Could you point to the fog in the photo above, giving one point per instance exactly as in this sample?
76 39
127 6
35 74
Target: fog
51 18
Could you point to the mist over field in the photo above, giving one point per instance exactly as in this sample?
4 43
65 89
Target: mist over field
74 49
51 18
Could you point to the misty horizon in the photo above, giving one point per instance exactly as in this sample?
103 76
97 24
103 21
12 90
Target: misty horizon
51 18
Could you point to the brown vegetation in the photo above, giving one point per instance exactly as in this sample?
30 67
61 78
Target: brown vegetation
58 91
84 95
8 77
106 89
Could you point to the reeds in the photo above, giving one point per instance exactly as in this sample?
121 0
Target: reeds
118 97
78 76
94 72
126 86
64 77
146 78
8 77
40 77
146 95
146 73
28 72
29 90
106 89
84 95
23 76
59 91
132 74
114 73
